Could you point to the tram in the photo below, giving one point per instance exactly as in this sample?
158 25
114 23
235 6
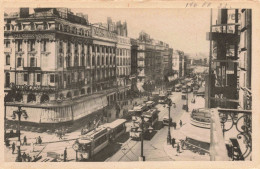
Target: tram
90 144
116 128
151 117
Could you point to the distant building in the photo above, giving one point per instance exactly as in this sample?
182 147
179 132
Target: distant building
154 60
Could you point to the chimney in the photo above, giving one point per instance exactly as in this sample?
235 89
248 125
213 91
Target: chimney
24 12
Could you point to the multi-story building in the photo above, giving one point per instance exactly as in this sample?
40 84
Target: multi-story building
245 60
179 63
223 82
123 63
58 66
154 60
229 85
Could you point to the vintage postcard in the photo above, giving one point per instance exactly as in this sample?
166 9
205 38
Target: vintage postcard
136 84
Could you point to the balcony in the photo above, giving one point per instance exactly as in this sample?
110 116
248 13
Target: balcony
231 134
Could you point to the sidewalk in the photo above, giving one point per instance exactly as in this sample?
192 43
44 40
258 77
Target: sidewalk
47 139
184 155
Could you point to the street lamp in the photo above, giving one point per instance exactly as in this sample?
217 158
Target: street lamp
187 101
169 104
142 157
19 113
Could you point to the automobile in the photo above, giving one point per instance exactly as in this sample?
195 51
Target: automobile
150 104
166 120
40 130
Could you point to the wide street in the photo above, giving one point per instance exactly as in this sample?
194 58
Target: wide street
123 149
154 148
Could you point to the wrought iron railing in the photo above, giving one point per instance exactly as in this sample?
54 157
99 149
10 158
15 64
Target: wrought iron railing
242 121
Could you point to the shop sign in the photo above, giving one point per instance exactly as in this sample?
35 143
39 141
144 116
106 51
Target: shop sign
33 36
98 32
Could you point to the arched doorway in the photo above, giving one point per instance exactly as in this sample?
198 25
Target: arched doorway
89 90
44 98
31 97
69 95
61 96
82 91
19 97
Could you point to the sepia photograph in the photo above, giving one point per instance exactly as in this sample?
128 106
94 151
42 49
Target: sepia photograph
127 84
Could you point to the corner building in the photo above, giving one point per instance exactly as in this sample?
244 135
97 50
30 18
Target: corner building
58 67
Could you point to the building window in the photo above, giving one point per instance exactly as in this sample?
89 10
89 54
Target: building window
44 45
52 78
25 77
19 45
7 60
31 45
32 62
7 79
19 62
7 44
38 77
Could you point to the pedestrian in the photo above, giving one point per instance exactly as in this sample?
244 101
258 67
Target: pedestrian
24 156
13 147
60 134
178 148
173 142
65 154
40 140
29 158
180 123
82 131
24 140
174 125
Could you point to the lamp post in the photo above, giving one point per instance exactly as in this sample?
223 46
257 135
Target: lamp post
19 113
187 101
169 138
142 157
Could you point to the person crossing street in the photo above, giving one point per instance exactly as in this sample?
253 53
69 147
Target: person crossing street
13 148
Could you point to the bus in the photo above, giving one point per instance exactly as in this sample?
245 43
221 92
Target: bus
90 144
116 128
151 117
162 98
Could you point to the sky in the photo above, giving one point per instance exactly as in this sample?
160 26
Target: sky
182 29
